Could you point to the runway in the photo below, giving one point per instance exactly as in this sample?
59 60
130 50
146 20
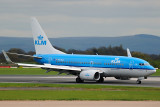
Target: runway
150 82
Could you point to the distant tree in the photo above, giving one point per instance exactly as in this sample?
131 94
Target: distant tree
16 58
141 55
61 49
2 59
17 50
73 51
31 53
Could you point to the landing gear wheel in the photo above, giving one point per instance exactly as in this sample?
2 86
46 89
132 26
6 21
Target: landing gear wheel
101 80
78 80
138 82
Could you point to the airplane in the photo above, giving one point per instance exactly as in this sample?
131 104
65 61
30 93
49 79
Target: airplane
85 67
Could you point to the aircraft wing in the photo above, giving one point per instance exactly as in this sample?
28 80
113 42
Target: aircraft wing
45 66
58 67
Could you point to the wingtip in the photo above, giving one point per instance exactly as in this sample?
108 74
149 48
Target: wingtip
3 51
6 57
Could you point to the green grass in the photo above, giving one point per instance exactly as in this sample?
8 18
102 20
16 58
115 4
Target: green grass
25 71
85 92
78 95
82 86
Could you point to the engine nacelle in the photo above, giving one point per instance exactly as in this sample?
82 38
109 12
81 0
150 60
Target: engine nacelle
90 75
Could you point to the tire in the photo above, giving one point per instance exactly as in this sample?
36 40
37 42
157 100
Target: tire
138 82
101 80
78 80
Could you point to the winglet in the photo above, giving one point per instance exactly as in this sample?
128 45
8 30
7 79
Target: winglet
128 53
6 57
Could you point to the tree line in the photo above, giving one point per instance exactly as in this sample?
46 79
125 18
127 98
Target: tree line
116 50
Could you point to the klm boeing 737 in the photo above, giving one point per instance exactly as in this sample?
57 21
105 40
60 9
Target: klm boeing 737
85 67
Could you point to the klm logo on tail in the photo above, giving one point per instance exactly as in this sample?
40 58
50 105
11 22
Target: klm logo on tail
40 41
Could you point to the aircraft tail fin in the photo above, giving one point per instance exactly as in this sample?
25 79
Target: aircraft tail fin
41 42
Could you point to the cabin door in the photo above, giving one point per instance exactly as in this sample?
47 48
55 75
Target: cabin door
49 60
91 63
131 65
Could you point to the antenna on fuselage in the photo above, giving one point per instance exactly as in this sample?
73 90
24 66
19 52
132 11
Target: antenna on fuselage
128 53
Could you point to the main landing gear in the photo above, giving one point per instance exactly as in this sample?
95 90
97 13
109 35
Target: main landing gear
78 80
101 80
138 82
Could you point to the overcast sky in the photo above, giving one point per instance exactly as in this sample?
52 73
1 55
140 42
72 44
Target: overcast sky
79 18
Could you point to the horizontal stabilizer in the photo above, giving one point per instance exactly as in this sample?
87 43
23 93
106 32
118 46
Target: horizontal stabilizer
24 55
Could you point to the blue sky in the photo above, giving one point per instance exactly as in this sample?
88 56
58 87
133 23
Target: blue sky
80 18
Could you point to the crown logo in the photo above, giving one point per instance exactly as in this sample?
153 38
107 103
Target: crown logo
40 37
40 40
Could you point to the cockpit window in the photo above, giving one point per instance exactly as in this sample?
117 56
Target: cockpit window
143 64
146 64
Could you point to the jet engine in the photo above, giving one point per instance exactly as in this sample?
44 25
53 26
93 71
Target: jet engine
90 75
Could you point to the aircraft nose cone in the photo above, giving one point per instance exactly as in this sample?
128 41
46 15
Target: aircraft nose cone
152 71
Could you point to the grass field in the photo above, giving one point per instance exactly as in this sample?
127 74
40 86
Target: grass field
37 71
79 92
72 92
25 71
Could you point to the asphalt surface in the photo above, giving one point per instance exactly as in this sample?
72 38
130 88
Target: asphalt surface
150 82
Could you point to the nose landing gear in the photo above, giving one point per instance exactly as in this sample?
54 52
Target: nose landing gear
139 80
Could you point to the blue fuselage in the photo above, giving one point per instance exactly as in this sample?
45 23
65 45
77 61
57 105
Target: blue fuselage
97 61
